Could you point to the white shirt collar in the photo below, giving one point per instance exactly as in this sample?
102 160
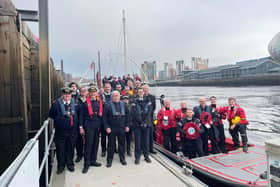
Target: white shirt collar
66 103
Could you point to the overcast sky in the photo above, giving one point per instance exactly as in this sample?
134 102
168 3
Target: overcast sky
165 31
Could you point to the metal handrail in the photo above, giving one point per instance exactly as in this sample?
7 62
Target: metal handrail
7 176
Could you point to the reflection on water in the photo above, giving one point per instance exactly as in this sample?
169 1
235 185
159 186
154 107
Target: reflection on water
261 104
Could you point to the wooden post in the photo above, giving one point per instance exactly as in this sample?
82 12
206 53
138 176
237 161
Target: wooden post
45 85
13 110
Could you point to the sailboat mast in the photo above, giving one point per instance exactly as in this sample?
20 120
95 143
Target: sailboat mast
124 45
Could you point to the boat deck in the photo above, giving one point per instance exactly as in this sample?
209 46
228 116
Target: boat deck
161 172
236 167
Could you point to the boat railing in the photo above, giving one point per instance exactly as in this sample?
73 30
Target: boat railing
26 169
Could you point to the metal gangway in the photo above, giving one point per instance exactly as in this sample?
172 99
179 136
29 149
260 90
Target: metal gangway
26 169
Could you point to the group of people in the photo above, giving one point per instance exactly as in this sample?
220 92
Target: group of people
189 130
85 116
117 112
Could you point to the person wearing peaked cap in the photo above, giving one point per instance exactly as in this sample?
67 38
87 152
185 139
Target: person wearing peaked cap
124 97
63 112
92 89
90 123
66 90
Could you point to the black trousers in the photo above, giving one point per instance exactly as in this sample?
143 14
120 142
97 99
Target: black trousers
141 142
112 145
151 138
169 139
192 148
65 145
235 135
103 138
222 137
91 145
212 134
80 145
128 138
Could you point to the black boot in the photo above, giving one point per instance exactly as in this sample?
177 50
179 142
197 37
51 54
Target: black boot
59 170
123 162
85 169
245 148
128 153
148 160
96 164
244 142
78 159
103 154
109 164
71 168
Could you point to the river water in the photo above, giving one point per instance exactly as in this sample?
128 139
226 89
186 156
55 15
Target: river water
261 105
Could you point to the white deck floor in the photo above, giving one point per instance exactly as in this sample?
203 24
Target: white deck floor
143 175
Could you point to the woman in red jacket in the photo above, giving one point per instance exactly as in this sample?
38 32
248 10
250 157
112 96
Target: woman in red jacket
234 110
166 121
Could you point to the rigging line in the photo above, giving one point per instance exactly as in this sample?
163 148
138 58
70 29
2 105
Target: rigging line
119 38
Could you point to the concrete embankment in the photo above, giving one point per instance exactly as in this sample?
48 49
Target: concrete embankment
271 80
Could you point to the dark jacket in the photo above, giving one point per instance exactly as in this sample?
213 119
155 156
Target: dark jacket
141 113
117 120
183 122
198 110
152 99
87 121
64 122
106 98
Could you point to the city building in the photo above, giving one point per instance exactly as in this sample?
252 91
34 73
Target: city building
199 64
255 67
161 75
180 64
165 65
171 72
148 71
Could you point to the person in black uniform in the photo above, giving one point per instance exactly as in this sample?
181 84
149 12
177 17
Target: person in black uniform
209 130
90 122
128 135
106 98
116 121
80 138
141 117
152 99
217 116
192 145
63 112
